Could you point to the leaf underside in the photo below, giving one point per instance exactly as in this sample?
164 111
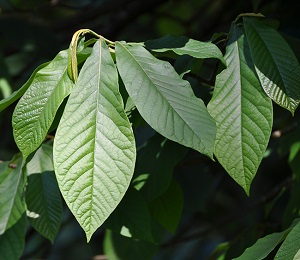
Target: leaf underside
94 147
165 101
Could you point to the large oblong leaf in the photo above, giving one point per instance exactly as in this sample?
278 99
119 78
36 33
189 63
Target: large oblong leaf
94 147
275 63
36 109
165 101
183 45
243 113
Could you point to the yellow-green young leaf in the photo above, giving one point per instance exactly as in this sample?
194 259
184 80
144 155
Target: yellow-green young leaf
275 63
94 146
36 109
165 101
243 113
12 203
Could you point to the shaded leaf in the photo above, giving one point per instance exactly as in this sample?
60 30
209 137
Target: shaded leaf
120 247
4 103
131 218
36 109
183 45
168 207
12 199
155 164
94 146
42 194
12 242
275 63
165 101
243 113
265 245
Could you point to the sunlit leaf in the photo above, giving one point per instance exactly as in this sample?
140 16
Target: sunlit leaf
42 194
94 146
275 63
243 113
36 109
165 101
184 45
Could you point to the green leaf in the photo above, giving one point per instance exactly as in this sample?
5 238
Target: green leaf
155 164
94 146
131 218
183 45
168 207
275 63
165 101
290 245
42 194
118 247
4 103
36 110
12 242
243 113
12 199
265 245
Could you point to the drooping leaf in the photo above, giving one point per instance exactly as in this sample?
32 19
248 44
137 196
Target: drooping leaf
42 194
12 200
290 245
155 164
4 103
36 109
243 113
165 101
184 45
94 146
275 63
118 247
265 245
12 242
167 208
132 217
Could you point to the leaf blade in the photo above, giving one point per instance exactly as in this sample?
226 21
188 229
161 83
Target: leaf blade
243 114
165 101
36 109
275 63
94 147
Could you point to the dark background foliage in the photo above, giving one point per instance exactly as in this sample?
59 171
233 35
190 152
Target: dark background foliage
217 214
